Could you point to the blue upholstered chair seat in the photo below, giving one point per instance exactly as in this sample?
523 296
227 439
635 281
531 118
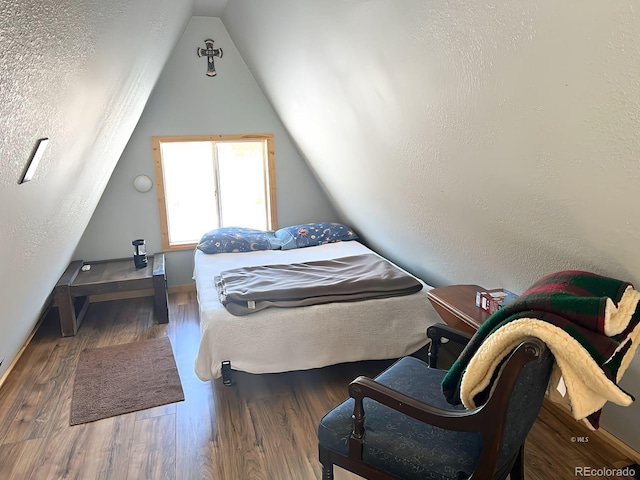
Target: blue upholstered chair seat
394 445
400 444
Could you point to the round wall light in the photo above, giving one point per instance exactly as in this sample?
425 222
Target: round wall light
142 183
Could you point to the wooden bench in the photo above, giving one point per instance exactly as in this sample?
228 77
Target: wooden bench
108 276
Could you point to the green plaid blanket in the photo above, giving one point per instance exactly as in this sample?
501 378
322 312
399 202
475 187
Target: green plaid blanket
588 321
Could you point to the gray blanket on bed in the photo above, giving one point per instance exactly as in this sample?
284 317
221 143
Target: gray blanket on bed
360 277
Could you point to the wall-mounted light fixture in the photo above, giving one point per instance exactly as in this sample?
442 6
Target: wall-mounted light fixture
41 146
142 183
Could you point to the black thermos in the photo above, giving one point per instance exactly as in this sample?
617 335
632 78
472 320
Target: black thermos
139 253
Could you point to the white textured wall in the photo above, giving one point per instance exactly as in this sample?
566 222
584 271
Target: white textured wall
80 74
471 141
187 102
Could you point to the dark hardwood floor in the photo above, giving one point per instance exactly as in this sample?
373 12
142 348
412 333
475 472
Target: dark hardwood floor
262 428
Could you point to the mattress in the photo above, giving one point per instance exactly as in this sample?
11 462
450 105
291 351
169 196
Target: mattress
284 339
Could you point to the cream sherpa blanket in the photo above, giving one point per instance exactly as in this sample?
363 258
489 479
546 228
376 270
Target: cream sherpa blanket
591 325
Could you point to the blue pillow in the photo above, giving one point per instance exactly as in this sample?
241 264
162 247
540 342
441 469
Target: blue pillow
237 239
312 234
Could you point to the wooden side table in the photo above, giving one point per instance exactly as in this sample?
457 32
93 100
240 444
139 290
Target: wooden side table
108 276
456 305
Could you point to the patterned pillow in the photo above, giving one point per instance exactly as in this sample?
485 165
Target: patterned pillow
312 234
236 239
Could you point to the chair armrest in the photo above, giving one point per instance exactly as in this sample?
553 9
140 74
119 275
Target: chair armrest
361 387
460 420
439 331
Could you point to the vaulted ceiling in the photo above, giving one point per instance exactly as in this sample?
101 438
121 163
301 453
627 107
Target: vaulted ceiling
472 142
209 8
78 73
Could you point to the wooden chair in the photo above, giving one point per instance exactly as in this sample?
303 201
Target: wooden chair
399 426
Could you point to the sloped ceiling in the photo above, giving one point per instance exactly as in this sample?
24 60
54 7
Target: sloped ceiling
475 142
472 142
78 73
209 8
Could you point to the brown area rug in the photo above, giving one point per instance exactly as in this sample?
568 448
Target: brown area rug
124 378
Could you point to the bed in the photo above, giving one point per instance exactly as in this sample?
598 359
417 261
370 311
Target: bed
284 339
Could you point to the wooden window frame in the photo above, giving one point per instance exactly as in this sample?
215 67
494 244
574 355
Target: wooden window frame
270 178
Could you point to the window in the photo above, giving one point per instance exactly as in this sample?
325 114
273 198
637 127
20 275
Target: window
206 182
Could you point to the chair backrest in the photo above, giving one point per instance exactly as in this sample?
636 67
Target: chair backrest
524 404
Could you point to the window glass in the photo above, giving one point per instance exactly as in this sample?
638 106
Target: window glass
210 182
243 196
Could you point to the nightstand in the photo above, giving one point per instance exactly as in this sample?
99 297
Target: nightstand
456 305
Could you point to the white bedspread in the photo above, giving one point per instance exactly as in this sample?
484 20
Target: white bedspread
284 339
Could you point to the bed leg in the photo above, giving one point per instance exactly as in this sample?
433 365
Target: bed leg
227 373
